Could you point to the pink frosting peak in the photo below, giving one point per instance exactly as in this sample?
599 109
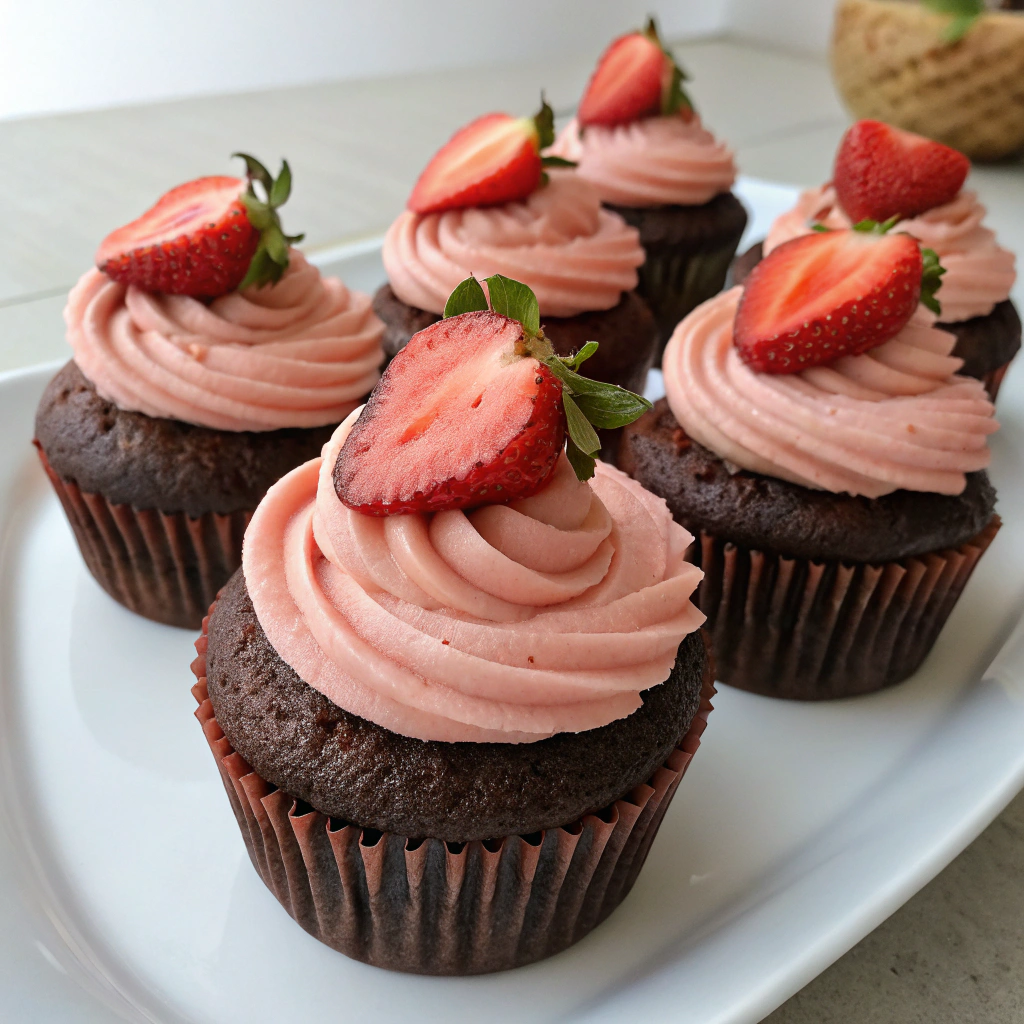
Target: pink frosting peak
894 418
657 161
576 256
301 353
508 623
979 272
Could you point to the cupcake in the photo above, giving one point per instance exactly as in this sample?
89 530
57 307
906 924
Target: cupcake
817 438
637 139
209 359
456 681
882 172
485 205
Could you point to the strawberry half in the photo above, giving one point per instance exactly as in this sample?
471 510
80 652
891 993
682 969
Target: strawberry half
831 294
204 238
475 411
883 172
495 159
463 416
636 77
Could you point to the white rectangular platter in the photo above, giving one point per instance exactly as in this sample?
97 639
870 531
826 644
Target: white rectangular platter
125 891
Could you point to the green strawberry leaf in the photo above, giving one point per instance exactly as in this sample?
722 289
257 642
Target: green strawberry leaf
583 355
270 260
516 301
873 227
931 280
674 99
556 161
544 120
964 14
582 464
579 427
256 171
468 297
282 188
614 410
277 247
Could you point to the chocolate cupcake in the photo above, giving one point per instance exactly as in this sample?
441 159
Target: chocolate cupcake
653 163
546 229
187 398
839 509
449 728
975 296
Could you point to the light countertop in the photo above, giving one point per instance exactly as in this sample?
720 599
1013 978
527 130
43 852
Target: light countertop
955 952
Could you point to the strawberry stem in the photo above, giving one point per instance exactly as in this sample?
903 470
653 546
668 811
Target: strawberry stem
270 260
588 403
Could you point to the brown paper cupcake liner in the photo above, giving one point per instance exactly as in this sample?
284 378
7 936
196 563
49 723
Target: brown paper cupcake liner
805 630
994 379
432 907
165 566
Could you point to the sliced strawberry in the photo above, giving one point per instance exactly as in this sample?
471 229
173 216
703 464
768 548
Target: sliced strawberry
204 238
495 159
826 295
883 172
462 417
636 77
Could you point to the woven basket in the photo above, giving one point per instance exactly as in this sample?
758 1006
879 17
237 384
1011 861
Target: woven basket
890 63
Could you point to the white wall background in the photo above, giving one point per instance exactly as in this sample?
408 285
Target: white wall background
795 24
65 55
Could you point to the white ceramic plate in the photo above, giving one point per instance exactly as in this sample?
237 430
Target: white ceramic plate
125 888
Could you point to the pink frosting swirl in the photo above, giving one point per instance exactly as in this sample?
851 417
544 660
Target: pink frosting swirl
509 623
302 353
576 256
979 272
896 417
657 161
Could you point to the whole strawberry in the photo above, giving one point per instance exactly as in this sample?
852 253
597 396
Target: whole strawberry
205 238
830 294
475 410
882 172
494 159
636 77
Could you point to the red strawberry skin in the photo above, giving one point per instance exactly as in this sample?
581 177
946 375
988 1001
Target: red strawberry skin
627 83
826 295
197 240
882 172
495 159
458 420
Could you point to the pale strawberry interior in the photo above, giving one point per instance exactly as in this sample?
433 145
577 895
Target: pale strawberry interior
436 420
180 212
481 149
822 276
625 63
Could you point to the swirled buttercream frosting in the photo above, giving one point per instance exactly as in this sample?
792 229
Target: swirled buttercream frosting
576 256
979 272
301 353
508 623
896 417
657 161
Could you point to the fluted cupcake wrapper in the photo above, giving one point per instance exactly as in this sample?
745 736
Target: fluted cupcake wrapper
165 566
805 630
432 907
994 378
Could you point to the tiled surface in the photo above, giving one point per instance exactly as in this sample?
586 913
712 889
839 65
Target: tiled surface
955 952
